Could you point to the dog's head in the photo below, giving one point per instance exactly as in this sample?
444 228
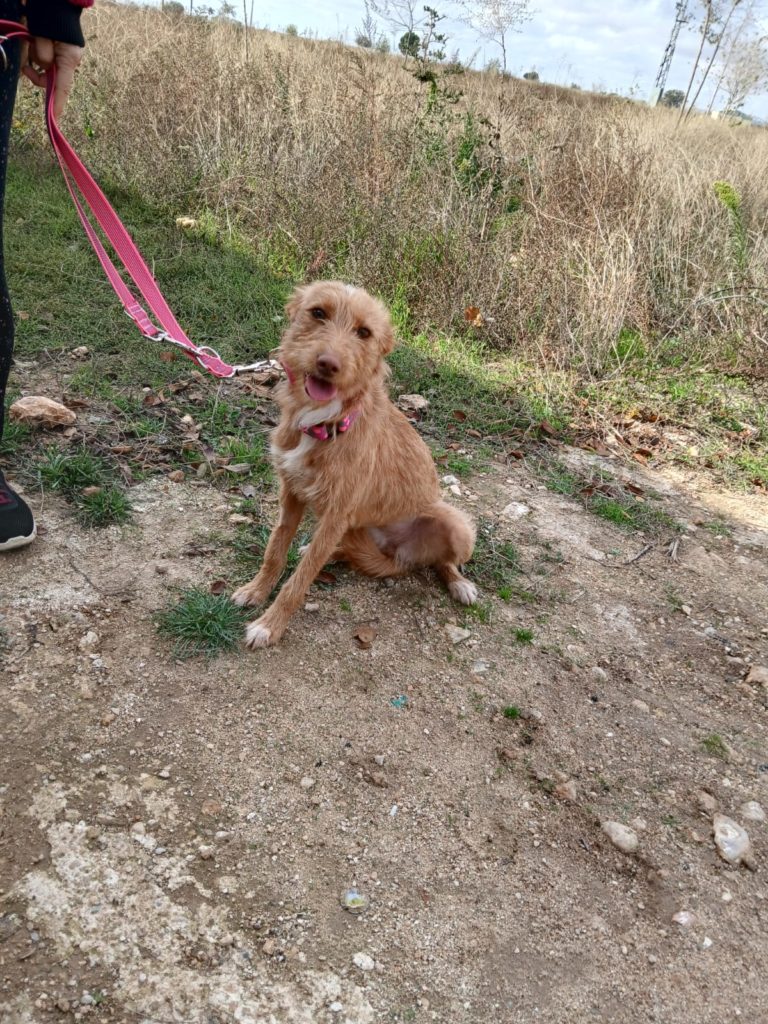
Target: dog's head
336 339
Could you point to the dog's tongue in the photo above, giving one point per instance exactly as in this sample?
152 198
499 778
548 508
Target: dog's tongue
319 390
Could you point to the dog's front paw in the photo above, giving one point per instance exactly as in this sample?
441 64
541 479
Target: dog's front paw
259 634
248 595
463 591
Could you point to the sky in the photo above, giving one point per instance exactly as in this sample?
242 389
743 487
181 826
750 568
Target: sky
616 46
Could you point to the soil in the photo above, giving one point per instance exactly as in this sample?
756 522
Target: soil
176 836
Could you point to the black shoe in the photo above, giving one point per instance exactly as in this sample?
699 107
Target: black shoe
17 524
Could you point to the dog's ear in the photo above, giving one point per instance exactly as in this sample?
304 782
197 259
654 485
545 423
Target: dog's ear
387 339
293 305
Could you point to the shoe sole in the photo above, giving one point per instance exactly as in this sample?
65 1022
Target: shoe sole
18 542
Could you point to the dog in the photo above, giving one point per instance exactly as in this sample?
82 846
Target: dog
344 450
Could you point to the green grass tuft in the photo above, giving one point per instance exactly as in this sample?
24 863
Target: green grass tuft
512 711
202 623
523 636
714 744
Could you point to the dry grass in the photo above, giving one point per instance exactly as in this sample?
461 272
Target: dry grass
567 218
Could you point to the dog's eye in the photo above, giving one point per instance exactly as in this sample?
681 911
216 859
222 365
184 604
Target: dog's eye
363 332
318 313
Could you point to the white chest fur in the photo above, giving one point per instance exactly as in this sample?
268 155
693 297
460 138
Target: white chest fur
293 461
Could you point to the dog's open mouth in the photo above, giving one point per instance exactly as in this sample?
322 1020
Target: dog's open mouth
319 390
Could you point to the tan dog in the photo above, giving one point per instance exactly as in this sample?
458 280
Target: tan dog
344 450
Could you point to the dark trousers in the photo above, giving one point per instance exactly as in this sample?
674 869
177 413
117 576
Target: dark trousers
10 10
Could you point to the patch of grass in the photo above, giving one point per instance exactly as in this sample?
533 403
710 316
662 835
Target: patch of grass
202 623
248 546
512 711
495 563
480 612
251 451
719 528
606 498
345 605
15 435
109 506
71 473
714 744
523 636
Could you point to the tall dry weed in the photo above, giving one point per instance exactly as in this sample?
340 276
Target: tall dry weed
565 217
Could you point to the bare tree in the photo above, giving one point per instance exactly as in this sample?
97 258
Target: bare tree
494 20
368 35
401 16
719 37
746 26
747 72
710 15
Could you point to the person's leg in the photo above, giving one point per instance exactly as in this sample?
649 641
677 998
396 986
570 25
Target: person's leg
17 526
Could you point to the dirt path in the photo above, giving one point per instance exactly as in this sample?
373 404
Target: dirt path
175 836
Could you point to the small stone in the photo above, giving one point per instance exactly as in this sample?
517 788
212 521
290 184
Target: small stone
413 403
640 705
205 852
90 639
164 773
752 811
706 943
363 961
38 411
62 1005
379 759
479 668
456 634
269 948
731 840
211 808
307 782
176 476
706 802
336 1007
686 609
566 791
87 691
455 490
448 480
515 510
639 824
726 896
311 606
684 918
758 674
598 675
377 779
622 837
238 520
108 718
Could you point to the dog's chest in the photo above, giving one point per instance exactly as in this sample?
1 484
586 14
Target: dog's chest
295 463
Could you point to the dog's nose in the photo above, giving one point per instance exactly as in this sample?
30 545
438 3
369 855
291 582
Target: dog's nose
328 364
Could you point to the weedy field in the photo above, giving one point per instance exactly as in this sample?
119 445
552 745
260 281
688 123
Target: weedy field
583 307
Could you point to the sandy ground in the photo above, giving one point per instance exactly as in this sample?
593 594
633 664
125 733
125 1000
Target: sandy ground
175 836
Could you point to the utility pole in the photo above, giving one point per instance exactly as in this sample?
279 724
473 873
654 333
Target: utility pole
681 16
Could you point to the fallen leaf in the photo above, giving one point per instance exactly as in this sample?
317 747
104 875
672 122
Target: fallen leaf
471 313
248 491
177 476
151 399
90 492
459 414
546 428
22 315
326 577
515 454
239 467
167 357
365 635
219 587
474 433
634 489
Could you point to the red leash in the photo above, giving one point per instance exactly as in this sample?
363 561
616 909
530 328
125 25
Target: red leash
84 190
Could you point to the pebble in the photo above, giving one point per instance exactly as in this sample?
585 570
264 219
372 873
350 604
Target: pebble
311 606
379 759
164 773
640 705
211 808
566 791
598 675
758 674
731 840
448 480
752 811
205 852
456 634
479 668
336 1007
684 918
108 718
363 961
515 510
706 802
455 490
706 943
622 837
307 782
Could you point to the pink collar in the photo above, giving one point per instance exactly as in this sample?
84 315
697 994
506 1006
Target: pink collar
327 431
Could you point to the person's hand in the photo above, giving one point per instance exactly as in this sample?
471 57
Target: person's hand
43 54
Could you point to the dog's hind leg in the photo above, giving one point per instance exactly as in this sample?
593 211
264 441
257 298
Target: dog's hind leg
259 589
360 550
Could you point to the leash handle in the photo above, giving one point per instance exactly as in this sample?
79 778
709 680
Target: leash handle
84 190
